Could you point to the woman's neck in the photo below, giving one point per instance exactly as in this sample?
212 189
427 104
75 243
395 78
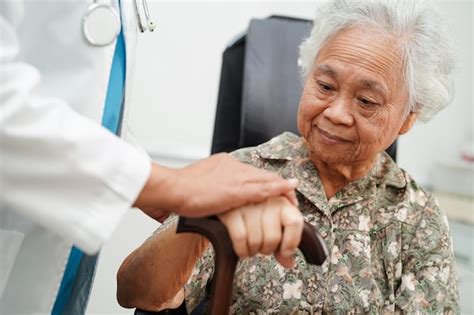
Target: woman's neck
335 176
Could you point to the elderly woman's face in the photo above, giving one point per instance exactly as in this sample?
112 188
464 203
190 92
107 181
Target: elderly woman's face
354 102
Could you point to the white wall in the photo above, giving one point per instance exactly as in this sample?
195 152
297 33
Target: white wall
175 93
440 140
183 59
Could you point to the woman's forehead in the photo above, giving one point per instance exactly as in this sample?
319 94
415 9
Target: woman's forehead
367 81
368 49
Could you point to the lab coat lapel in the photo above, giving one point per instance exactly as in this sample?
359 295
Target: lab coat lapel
130 30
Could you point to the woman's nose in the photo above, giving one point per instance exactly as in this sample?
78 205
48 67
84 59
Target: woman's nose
339 112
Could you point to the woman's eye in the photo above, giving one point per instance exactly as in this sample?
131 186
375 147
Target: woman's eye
324 87
367 103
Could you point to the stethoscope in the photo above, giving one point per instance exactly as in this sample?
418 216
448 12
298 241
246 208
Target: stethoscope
101 23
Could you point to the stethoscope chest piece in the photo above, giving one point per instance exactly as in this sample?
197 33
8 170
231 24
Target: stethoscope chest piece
101 24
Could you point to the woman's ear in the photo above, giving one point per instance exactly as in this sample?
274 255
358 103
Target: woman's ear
408 123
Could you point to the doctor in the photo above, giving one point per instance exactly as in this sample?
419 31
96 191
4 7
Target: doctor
65 179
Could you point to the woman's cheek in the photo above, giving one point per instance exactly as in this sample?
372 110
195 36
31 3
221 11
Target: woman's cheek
304 121
308 122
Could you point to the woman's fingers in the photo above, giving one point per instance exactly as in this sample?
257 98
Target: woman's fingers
253 222
293 224
291 196
272 229
237 229
287 262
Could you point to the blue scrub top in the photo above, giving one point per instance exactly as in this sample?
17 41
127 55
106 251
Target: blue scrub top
75 286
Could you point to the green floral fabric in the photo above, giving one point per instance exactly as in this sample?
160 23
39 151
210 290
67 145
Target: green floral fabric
390 247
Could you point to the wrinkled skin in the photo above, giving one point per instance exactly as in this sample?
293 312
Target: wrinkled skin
354 104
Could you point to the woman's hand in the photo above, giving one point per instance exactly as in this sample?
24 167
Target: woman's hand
153 276
273 226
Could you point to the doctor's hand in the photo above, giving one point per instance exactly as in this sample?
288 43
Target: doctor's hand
210 186
274 226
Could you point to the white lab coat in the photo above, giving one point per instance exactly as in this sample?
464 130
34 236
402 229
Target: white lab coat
64 179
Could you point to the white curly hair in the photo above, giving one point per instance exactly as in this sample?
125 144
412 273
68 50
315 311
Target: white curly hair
420 32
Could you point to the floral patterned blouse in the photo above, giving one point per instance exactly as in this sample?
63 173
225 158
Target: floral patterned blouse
390 247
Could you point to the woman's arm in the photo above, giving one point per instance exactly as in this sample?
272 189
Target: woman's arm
153 275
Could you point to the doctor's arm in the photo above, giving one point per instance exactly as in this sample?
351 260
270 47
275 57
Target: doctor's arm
60 169
210 186
66 173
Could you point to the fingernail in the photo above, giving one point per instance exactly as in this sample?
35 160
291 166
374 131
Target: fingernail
293 181
287 253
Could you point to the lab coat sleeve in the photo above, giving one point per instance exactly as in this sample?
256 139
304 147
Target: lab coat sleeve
58 168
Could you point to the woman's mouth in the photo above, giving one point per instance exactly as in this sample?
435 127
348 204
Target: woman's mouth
329 138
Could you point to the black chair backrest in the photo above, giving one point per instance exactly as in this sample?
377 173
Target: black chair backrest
260 85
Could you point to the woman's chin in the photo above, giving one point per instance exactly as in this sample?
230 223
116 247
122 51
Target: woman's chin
330 153
331 156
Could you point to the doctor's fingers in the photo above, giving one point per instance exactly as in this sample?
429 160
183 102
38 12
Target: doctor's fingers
262 190
154 213
235 224
293 224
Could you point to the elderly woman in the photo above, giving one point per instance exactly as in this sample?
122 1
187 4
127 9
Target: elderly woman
371 69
